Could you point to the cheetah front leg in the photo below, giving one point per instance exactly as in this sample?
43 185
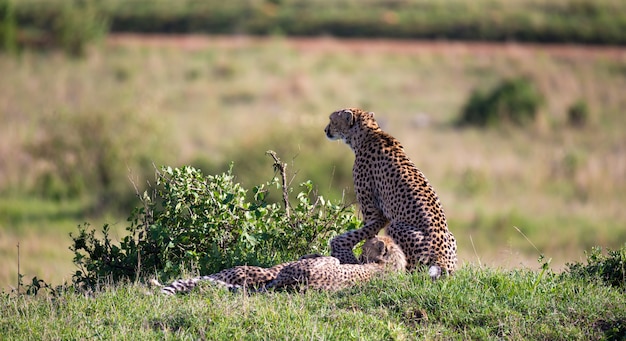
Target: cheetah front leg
342 245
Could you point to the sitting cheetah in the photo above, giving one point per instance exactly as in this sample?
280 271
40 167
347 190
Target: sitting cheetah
313 271
391 190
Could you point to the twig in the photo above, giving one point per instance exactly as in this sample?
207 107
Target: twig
531 243
19 279
138 272
475 253
282 168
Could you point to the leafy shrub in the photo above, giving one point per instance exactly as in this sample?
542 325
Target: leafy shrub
208 223
515 101
610 268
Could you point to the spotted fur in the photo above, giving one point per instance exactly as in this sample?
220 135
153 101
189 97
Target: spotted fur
391 192
250 277
312 271
380 254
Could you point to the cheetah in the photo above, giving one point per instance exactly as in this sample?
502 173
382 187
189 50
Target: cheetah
312 271
383 249
379 254
392 192
250 277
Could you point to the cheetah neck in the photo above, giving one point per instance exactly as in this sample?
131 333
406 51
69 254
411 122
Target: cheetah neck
367 139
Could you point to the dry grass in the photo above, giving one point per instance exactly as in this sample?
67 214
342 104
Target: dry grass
563 187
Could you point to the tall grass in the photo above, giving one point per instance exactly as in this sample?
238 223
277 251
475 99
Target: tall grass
209 101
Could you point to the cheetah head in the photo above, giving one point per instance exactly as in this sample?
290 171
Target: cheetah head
343 122
373 250
383 250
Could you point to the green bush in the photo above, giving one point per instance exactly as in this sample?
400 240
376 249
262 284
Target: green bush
208 223
514 101
609 268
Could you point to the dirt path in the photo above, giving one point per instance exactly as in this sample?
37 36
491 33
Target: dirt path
329 44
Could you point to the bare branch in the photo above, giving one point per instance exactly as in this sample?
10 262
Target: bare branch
282 168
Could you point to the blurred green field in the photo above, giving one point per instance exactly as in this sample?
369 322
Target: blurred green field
562 21
75 130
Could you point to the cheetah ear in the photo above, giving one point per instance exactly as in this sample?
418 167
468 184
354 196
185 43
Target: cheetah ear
348 116
380 245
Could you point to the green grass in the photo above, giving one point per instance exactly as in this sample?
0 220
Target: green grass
477 303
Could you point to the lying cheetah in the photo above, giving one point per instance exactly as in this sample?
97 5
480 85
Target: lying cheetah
318 272
391 190
380 254
250 277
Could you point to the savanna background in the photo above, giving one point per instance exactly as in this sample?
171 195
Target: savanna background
94 96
